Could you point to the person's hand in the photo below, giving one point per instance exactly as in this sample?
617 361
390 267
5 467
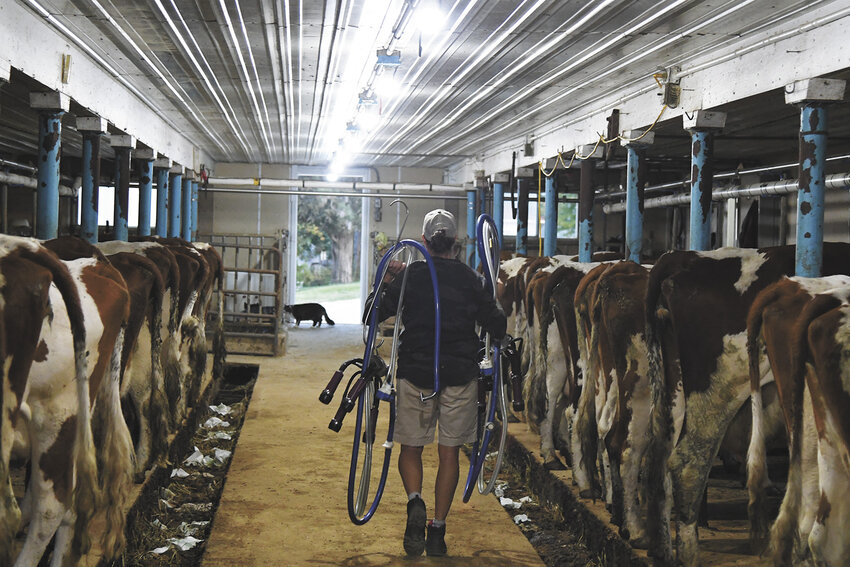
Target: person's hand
394 267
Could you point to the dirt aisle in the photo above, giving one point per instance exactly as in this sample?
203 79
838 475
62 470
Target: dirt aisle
285 498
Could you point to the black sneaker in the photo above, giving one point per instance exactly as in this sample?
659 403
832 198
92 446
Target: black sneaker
435 544
414 533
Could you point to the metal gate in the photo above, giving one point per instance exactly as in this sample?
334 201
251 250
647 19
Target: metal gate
253 285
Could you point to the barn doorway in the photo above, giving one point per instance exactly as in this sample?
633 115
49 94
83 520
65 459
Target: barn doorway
327 251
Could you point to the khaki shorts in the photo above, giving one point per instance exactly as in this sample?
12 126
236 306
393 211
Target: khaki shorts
454 408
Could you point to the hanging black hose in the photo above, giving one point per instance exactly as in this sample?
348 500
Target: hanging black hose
511 178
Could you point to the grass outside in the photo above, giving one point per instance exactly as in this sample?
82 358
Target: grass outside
333 292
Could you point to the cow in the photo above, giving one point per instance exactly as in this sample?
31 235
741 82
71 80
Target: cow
216 264
170 319
70 386
821 346
142 392
696 310
773 321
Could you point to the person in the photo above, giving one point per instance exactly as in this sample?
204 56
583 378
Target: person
464 302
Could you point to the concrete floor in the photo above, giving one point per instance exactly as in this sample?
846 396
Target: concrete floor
285 498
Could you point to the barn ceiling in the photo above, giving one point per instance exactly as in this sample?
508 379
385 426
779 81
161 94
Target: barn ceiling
297 81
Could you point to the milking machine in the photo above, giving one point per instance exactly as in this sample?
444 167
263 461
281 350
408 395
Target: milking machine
492 394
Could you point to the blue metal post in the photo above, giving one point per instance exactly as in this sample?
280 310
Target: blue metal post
174 204
194 210
162 202
585 211
145 190
702 180
186 210
522 217
49 145
550 218
91 185
122 192
499 208
471 206
634 202
810 194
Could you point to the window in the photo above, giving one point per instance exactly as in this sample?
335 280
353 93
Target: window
567 217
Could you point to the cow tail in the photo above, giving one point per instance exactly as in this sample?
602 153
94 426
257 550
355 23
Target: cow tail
193 332
86 499
586 415
115 455
9 513
757 479
171 359
158 409
660 444
219 346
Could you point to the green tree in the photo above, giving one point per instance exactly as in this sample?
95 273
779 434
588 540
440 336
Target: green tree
326 224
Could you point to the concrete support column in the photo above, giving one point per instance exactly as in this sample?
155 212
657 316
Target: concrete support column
635 181
175 186
471 207
161 169
122 144
812 95
500 181
550 218
702 124
524 177
146 157
186 206
51 106
92 129
585 202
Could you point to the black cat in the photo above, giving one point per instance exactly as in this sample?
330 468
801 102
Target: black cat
305 311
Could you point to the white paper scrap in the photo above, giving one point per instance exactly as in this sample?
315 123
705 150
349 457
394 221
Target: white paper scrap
220 435
184 543
525 499
499 489
214 422
520 519
161 550
508 503
197 459
221 455
221 409
179 473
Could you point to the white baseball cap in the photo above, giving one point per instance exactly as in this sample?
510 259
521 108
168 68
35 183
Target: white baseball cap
439 220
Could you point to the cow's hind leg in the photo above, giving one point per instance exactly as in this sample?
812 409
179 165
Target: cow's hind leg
51 484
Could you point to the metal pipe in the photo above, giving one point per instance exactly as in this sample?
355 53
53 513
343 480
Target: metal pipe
810 197
522 217
585 211
186 210
122 192
316 184
470 228
194 207
9 164
15 180
49 144
550 227
785 187
162 201
499 208
174 204
91 187
145 190
339 194
702 154
634 202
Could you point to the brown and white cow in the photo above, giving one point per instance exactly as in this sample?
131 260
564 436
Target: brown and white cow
58 403
696 308
777 320
823 343
771 323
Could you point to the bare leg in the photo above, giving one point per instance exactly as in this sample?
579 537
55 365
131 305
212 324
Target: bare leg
447 477
410 468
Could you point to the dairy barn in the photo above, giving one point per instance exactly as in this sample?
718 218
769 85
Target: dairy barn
220 262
